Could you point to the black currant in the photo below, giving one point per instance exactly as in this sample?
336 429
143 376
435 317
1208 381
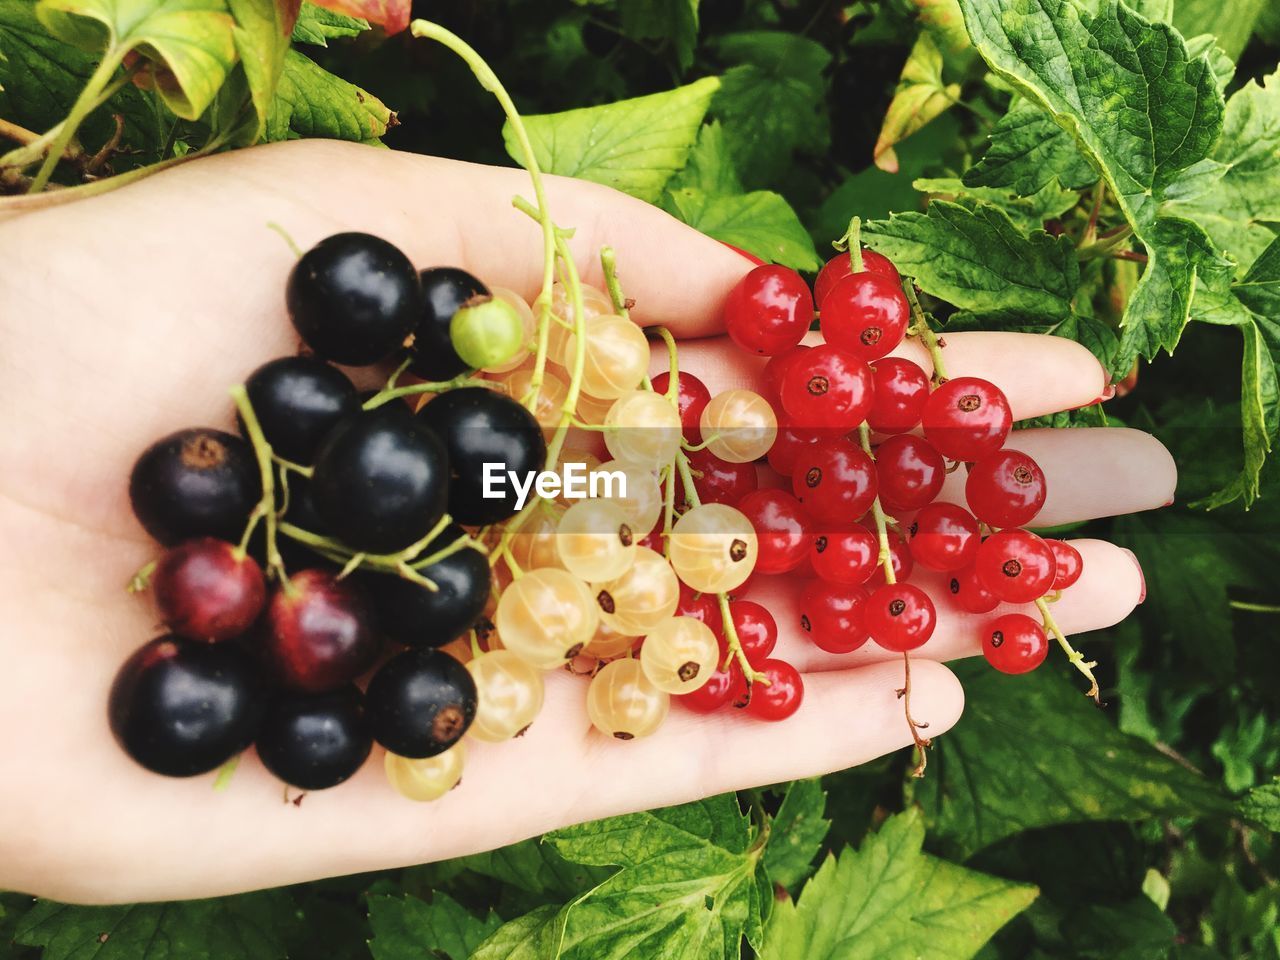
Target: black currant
298 400
315 741
354 298
481 426
420 703
320 632
412 614
184 707
444 290
381 480
195 483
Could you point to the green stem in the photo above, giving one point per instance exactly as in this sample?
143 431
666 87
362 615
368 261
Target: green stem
609 261
387 394
142 579
1105 244
1073 655
84 105
266 508
920 327
1250 607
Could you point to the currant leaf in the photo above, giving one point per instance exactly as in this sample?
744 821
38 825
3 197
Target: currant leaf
311 102
1262 805
796 833
1029 212
406 928
1231 23
635 145
891 900
1028 152
921 96
760 222
317 26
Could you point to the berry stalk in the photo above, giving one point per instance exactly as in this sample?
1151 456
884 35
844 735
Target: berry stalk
266 508
920 328
1073 655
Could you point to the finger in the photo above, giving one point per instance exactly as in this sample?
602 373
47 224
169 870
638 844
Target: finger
1090 473
1107 592
1040 375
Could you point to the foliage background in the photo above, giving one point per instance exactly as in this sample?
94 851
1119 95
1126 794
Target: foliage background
1045 829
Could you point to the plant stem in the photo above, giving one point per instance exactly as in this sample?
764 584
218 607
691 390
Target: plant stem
920 327
266 508
84 105
609 261
852 240
1073 655
1105 243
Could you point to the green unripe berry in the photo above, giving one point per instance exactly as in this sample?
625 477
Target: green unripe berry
486 332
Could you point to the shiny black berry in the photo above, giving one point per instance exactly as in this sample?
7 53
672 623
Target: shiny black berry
410 613
381 480
481 426
315 741
297 401
444 289
184 707
420 703
354 298
195 483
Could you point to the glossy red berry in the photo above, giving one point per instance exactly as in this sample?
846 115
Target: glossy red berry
845 555
1016 566
700 606
719 481
776 369
1005 489
1068 564
901 390
835 481
866 314
321 634
841 266
769 310
781 696
828 387
967 418
900 616
782 529
910 472
721 689
207 590
1015 643
944 537
833 615
790 442
692 395
900 558
969 594
756 629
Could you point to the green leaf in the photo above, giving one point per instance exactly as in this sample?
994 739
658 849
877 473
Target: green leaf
1230 21
406 928
538 935
248 927
1143 110
261 37
1262 805
796 833
633 145
921 96
1032 752
669 21
317 26
1134 929
1029 152
710 166
890 901
1029 212
1238 207
311 102
760 222
772 103
976 258
192 39
535 866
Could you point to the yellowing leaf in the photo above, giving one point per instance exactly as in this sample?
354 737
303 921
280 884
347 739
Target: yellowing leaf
391 15
920 97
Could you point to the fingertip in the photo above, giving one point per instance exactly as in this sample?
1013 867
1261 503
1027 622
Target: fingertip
1109 589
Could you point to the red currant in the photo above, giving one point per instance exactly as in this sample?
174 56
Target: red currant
866 314
828 387
776 369
1016 566
833 615
841 266
207 590
757 630
700 606
781 697
782 529
1005 489
1068 564
769 310
969 594
789 443
835 481
1015 643
692 395
967 418
900 616
847 555
899 558
718 481
901 390
721 689
944 537
910 472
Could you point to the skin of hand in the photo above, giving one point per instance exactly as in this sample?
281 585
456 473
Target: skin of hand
128 315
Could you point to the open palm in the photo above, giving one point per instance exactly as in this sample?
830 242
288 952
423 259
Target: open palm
127 316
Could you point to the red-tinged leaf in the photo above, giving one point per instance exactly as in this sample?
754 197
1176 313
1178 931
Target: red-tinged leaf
391 15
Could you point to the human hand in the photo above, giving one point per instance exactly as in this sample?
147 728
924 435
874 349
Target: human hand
127 316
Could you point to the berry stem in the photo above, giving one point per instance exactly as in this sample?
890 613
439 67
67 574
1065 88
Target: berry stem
225 773
287 237
1091 228
1073 655
609 262
852 241
920 328
389 393
99 81
885 557
922 743
266 508
1105 243
142 579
